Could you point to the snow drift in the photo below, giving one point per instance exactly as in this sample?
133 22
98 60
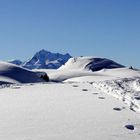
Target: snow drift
10 73
90 63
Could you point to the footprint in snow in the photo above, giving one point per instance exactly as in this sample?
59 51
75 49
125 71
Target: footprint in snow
117 109
75 85
95 93
137 98
84 89
130 127
15 87
123 107
101 98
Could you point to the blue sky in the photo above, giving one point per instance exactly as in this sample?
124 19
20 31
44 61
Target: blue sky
104 28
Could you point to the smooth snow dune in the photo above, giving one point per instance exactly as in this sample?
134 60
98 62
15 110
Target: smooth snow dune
10 73
90 63
106 74
62 75
121 72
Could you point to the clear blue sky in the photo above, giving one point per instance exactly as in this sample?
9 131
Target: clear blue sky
104 28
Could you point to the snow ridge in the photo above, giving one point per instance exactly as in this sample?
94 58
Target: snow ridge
90 63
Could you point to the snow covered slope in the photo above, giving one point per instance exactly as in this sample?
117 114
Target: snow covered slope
10 73
46 60
16 62
90 63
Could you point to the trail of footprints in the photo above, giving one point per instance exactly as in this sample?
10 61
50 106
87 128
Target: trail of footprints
128 126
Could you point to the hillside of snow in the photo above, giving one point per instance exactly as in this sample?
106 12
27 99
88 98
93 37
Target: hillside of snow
90 63
10 73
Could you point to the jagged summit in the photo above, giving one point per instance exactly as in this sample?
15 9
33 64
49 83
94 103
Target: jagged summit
44 59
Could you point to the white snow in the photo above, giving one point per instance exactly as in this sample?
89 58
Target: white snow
123 89
63 112
81 106
122 83
10 73
46 59
89 63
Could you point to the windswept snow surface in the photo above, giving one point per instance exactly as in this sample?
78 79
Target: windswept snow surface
65 111
10 73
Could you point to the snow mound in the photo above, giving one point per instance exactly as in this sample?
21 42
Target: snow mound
10 73
90 63
46 60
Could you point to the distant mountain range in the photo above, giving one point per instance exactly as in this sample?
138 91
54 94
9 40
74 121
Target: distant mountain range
44 60
47 60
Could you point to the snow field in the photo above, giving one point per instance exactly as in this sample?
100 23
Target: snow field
64 112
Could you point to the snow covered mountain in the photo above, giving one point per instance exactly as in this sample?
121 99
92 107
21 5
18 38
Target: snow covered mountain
16 62
10 73
90 63
44 60
48 60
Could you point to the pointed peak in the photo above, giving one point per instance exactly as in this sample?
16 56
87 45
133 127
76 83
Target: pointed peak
67 54
43 51
46 59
